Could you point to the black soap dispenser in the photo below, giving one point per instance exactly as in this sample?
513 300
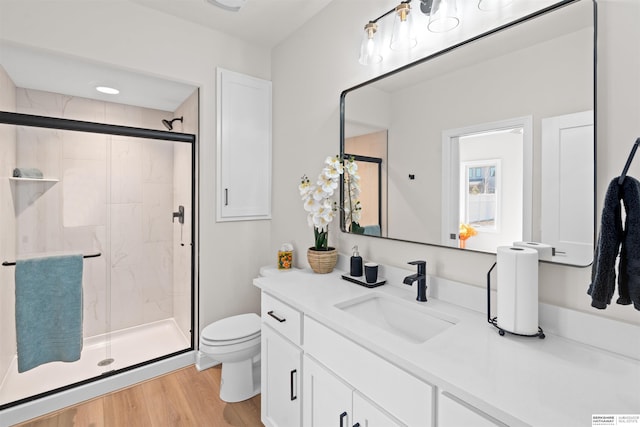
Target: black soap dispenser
356 263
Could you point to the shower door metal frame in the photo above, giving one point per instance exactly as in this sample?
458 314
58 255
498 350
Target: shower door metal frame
30 120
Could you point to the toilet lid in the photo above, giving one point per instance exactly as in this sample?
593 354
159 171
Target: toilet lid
232 328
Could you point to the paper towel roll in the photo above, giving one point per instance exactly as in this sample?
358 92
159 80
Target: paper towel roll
545 252
518 290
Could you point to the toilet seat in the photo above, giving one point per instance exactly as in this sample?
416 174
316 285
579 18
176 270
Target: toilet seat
219 343
232 330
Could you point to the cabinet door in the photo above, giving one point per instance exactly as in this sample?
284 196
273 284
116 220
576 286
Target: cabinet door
244 147
327 401
281 363
454 412
366 414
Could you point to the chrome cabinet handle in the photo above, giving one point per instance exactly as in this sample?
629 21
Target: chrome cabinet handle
279 319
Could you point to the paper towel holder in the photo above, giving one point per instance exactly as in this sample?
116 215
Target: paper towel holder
494 320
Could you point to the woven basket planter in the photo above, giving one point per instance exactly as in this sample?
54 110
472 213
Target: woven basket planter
322 262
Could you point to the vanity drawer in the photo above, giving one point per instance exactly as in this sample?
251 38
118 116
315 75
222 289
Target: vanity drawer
282 318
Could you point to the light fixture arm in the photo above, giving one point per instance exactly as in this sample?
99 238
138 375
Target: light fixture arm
389 12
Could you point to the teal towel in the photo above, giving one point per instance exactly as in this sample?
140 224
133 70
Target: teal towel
27 173
372 230
48 310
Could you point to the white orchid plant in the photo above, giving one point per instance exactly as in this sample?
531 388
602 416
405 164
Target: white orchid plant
318 197
352 206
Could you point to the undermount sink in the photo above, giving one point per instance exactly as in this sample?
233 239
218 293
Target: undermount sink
401 318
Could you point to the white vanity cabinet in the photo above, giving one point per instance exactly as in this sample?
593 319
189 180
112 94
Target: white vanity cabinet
332 402
403 396
281 364
455 412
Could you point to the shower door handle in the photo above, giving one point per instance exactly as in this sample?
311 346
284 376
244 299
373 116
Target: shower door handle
179 214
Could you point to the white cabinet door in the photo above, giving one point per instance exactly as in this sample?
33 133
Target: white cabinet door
327 399
366 414
244 147
281 363
453 412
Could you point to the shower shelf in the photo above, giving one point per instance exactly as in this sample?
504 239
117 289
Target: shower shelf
33 179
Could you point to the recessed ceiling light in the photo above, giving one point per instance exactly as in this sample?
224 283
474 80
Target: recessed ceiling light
108 90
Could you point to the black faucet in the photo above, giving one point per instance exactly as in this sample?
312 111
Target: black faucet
421 278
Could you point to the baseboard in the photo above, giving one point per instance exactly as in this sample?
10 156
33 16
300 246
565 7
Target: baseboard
203 361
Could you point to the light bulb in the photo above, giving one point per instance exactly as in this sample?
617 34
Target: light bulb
369 48
403 37
444 16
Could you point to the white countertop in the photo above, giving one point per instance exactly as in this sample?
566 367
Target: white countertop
523 381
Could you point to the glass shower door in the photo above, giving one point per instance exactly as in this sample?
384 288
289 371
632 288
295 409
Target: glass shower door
110 197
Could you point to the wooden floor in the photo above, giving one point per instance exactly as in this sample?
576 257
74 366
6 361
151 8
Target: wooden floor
182 398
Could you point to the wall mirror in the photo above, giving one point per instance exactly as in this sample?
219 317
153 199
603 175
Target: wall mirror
496 133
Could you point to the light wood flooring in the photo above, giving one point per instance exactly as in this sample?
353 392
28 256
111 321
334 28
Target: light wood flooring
184 397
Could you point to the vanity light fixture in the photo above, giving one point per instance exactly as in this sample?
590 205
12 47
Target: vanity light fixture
444 16
403 37
108 90
370 47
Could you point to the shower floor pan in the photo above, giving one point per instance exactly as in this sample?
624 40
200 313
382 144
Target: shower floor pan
128 347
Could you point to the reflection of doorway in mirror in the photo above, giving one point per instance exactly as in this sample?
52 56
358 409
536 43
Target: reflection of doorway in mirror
479 194
487 181
373 179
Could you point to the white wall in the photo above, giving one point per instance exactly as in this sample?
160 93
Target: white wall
306 129
124 34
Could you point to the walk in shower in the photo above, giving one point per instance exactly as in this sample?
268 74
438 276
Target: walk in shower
122 196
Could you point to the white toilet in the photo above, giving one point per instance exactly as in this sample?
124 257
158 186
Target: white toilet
235 342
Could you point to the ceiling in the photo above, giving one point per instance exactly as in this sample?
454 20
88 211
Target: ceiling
261 22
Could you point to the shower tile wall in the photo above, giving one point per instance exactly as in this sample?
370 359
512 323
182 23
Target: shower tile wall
7 225
115 196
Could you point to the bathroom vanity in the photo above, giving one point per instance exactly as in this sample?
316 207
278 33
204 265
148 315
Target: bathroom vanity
338 354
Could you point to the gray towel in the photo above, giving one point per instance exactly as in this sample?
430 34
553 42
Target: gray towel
48 310
613 238
27 173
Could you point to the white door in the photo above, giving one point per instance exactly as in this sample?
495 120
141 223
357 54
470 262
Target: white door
327 399
567 189
281 362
